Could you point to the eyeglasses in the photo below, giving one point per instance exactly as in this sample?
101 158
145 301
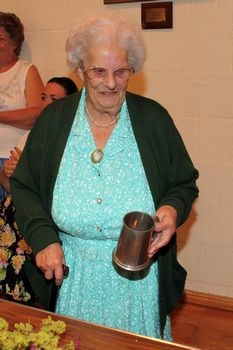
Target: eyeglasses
123 73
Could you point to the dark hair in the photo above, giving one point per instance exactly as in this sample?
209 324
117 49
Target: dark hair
67 83
14 27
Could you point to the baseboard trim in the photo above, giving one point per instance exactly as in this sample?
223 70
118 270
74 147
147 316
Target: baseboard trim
210 300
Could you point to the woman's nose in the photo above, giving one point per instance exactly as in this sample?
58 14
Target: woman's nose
110 80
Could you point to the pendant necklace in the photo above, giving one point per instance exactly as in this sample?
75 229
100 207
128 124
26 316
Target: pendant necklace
98 154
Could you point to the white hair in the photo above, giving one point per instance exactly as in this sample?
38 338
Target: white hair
105 29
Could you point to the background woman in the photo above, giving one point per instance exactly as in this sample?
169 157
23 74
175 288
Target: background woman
105 152
20 87
14 251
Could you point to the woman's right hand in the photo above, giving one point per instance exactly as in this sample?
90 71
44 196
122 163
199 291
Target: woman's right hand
51 261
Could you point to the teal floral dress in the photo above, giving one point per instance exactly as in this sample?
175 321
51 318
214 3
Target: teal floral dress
89 203
14 252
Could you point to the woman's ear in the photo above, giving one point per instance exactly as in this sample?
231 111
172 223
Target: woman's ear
80 73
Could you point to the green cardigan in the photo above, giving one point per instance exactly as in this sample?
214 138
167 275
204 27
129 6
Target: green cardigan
168 167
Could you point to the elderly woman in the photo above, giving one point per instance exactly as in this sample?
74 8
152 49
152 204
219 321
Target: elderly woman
89 160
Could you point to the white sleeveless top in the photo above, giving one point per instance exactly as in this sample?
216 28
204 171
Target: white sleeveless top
12 88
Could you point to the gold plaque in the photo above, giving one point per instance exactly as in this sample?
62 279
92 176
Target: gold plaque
156 15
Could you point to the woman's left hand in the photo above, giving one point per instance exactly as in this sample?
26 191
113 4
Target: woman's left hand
165 227
10 164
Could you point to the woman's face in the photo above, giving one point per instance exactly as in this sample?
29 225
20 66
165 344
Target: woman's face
107 94
7 45
52 92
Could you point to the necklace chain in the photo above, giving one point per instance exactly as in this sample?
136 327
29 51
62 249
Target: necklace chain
102 125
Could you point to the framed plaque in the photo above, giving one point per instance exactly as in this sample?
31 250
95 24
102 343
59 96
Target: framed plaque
157 15
121 1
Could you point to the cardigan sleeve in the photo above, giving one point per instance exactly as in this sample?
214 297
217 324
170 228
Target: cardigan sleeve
180 175
32 216
35 175
170 171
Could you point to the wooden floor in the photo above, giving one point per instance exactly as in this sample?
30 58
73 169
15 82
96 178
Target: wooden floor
203 327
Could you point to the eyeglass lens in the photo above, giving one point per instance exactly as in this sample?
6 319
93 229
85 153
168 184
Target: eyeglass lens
100 73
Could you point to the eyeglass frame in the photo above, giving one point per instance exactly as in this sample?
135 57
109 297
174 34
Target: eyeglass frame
91 68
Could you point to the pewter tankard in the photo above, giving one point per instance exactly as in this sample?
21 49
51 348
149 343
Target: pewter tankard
131 252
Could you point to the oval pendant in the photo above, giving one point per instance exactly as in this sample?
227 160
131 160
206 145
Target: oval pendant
97 155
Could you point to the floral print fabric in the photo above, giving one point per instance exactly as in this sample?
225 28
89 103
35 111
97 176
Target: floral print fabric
14 252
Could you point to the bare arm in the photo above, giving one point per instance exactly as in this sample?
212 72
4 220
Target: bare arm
24 118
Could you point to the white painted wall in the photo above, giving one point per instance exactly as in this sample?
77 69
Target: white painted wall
190 71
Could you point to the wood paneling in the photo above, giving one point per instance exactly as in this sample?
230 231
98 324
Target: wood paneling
214 301
203 327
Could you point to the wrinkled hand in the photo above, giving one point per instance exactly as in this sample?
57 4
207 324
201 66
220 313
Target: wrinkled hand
51 260
10 164
165 227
